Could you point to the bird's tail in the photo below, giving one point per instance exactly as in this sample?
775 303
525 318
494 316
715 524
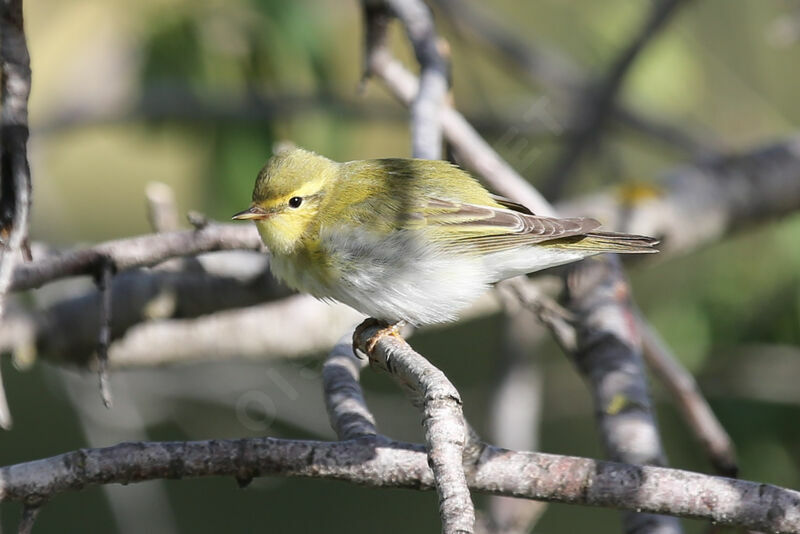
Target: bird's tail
610 242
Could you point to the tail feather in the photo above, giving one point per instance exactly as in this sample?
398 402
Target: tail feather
608 242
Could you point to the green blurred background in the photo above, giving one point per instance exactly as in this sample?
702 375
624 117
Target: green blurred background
194 94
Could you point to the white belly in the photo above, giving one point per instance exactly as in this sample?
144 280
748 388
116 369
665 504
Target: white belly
402 277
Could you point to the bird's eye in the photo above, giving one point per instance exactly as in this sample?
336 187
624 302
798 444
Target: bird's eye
295 202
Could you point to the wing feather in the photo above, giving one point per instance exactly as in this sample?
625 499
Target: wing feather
485 229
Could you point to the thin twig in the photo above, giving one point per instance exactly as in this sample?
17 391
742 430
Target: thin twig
29 515
600 101
103 279
375 462
442 420
690 401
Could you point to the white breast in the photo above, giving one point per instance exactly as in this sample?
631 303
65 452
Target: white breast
402 276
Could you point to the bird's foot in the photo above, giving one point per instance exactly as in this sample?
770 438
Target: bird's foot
385 329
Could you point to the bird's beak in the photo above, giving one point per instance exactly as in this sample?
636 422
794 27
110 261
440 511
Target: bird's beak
253 213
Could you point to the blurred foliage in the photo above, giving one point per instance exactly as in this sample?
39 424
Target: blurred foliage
724 70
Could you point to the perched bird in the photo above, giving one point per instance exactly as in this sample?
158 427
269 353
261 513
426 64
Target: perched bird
406 239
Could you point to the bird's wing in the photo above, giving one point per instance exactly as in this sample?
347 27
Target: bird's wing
484 229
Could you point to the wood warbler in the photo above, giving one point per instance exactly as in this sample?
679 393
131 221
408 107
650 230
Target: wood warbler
406 239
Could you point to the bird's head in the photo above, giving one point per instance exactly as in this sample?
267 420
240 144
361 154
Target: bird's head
287 196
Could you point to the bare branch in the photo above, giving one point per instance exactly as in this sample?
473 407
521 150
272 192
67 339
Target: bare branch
697 204
377 462
273 330
103 279
142 251
347 410
442 420
29 514
426 128
15 177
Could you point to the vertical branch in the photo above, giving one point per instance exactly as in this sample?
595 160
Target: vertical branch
426 110
15 179
608 355
103 279
599 102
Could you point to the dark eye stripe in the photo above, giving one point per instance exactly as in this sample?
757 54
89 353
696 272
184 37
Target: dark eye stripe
295 202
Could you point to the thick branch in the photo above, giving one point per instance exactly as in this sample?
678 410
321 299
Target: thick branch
376 462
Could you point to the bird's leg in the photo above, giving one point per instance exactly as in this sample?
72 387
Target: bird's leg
385 329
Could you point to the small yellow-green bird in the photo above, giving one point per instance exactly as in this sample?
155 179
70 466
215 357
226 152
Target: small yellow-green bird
406 239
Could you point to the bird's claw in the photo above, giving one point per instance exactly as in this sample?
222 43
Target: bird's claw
384 329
